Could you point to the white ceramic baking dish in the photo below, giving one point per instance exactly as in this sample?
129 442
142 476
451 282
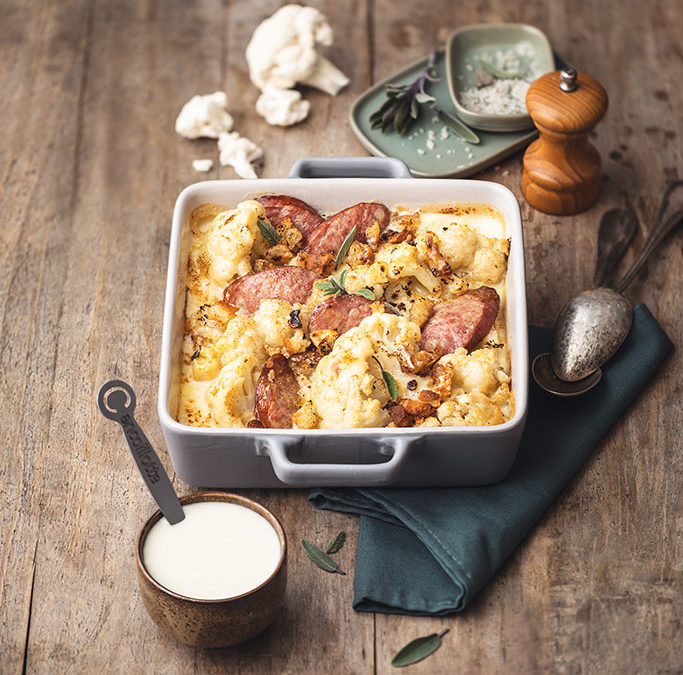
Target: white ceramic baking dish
440 456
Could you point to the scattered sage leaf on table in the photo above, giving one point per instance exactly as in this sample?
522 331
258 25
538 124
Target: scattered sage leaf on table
457 126
418 649
344 249
320 558
268 231
336 542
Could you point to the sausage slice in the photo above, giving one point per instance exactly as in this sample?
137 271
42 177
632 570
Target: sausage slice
279 207
341 314
293 284
330 234
461 322
277 394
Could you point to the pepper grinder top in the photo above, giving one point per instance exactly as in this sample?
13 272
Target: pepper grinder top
562 169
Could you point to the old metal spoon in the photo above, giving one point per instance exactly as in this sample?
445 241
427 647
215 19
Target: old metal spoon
116 400
594 324
617 229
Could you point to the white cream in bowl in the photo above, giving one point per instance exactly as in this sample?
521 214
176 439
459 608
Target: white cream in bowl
220 550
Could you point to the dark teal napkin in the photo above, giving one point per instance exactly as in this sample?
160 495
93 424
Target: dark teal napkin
430 551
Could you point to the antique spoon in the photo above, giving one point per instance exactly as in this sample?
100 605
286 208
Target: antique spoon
116 400
594 324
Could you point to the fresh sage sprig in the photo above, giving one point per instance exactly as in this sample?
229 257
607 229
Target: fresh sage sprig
335 544
344 249
402 106
389 380
320 558
418 649
268 231
335 287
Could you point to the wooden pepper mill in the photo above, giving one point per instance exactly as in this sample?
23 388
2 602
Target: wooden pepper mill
562 169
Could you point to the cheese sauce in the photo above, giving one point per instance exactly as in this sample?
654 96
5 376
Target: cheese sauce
220 550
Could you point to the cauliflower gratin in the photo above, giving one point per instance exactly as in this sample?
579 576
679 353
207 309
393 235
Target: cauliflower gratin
370 317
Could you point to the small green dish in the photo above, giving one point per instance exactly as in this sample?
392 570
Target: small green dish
530 54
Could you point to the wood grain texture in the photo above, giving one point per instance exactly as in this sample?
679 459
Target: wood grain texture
89 169
561 170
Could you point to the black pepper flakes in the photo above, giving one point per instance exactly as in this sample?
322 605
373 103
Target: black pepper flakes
294 320
196 353
412 385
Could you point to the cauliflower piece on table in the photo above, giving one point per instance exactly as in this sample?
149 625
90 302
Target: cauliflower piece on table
239 152
204 116
282 107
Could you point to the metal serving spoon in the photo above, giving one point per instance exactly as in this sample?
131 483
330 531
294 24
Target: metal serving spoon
594 324
116 400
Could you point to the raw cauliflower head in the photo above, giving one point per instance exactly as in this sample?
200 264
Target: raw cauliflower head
282 51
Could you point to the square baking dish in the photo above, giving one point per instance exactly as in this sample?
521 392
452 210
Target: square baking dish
416 457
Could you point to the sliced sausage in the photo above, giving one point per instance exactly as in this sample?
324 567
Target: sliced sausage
461 322
277 394
279 207
330 234
341 314
293 284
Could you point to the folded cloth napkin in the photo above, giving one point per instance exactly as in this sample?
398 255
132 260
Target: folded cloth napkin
430 551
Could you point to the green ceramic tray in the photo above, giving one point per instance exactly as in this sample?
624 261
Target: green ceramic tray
451 157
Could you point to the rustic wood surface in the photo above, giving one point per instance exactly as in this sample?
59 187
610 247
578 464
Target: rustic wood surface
90 167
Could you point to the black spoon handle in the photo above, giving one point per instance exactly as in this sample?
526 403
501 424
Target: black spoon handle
116 400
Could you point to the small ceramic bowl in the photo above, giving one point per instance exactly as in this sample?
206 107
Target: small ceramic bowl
214 623
467 47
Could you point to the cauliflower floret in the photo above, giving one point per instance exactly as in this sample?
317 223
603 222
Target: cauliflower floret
282 51
457 243
204 116
392 261
194 408
473 409
229 243
241 354
477 371
489 265
238 152
282 107
272 319
347 386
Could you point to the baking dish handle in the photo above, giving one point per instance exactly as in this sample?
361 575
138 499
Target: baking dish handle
350 167
355 475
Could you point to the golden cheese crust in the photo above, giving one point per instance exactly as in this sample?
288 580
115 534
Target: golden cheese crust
426 256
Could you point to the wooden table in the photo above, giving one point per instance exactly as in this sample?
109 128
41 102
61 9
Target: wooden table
91 167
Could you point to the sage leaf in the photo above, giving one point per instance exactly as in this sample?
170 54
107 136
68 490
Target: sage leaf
268 232
497 72
389 380
344 249
335 544
457 126
418 649
424 98
320 558
342 280
367 293
392 387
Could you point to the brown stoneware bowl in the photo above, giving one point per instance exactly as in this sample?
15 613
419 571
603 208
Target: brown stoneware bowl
214 623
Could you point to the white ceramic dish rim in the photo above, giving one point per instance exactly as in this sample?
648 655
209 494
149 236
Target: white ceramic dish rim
477 192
